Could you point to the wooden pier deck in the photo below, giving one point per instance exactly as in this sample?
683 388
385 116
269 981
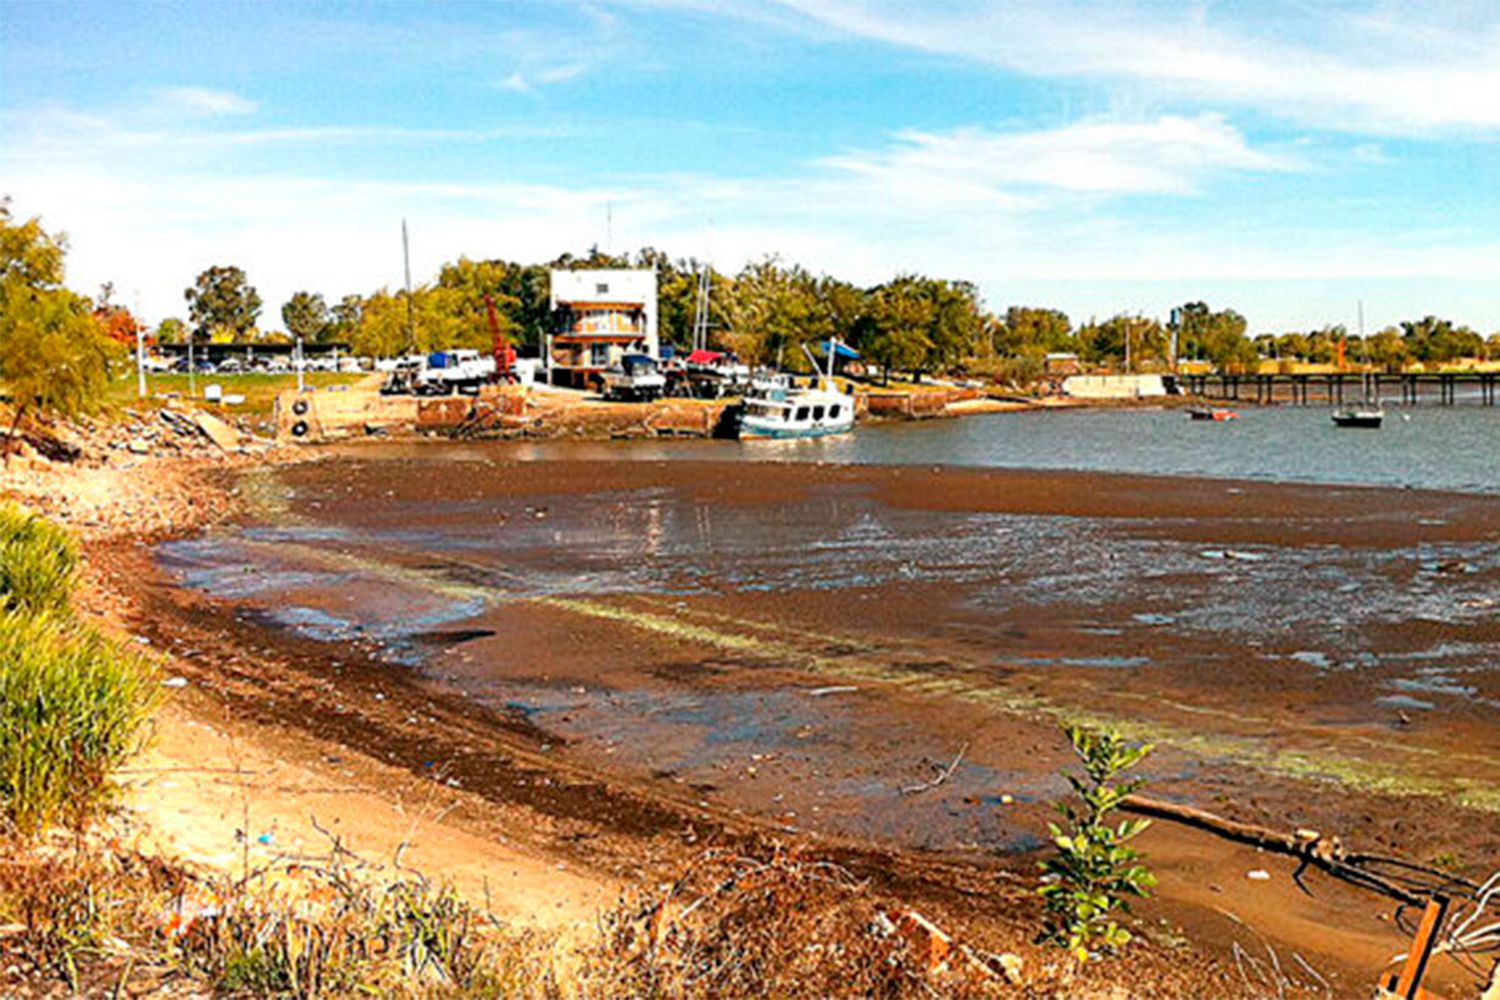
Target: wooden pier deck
1333 388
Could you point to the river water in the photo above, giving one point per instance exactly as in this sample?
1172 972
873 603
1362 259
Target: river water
1447 448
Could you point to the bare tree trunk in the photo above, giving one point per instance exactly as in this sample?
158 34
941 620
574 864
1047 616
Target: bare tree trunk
10 439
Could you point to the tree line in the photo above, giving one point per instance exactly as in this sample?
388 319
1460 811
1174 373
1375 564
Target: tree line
764 311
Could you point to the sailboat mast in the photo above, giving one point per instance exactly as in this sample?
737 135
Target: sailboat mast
411 340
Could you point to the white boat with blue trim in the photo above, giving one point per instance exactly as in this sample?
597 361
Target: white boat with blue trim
776 409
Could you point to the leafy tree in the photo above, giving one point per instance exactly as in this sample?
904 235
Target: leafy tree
1106 343
1387 349
305 315
1095 871
171 331
344 318
902 318
222 303
1492 347
768 310
54 356
1216 336
1031 332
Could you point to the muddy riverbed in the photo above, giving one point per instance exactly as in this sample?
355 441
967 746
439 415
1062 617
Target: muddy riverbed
805 645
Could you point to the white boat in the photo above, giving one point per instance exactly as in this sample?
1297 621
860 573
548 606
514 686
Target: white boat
776 409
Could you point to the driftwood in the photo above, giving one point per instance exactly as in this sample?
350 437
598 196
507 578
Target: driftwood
944 773
1409 883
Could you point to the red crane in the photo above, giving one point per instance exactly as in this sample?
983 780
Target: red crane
500 347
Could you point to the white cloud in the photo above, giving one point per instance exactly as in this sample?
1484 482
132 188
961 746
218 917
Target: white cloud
1167 155
1388 68
516 84
201 102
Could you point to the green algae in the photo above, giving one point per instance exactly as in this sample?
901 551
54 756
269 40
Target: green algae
1327 764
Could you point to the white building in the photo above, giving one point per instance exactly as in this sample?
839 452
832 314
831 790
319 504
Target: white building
600 316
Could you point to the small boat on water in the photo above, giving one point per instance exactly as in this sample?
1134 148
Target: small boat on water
1212 413
1358 416
775 408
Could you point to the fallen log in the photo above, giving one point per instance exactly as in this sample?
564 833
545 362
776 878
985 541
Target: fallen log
1308 846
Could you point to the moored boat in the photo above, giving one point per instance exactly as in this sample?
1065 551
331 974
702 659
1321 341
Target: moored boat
1212 413
1359 416
776 409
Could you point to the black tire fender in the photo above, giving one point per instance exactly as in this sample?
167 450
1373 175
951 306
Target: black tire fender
299 429
299 407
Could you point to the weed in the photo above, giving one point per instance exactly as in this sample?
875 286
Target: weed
1095 871
72 708
38 562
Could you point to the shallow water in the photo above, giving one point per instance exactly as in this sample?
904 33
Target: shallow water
1428 447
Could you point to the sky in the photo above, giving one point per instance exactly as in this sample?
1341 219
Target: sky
1289 160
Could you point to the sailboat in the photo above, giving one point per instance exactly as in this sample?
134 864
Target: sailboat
1368 414
780 410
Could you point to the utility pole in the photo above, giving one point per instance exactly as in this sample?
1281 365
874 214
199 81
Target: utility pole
140 349
297 361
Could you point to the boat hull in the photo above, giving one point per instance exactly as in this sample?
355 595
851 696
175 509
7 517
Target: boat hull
752 432
1358 421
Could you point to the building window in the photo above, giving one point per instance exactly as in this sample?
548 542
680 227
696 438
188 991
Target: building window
601 289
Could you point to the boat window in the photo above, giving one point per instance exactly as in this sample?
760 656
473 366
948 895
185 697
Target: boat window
801 413
833 412
817 413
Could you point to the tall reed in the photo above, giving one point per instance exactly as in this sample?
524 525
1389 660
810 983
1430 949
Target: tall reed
38 562
73 706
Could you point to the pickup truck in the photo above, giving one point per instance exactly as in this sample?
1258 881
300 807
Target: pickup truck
459 370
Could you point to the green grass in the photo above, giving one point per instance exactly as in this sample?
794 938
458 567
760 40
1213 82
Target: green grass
260 391
73 707
38 562
72 703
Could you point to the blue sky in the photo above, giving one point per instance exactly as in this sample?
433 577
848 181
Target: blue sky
1285 159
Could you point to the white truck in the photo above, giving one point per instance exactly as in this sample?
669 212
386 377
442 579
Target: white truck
461 370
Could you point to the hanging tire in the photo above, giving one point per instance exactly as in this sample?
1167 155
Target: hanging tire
299 429
299 407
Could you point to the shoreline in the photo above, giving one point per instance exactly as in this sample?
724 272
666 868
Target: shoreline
942 884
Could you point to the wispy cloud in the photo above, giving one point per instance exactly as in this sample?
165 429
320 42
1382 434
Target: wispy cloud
202 102
1167 155
1377 68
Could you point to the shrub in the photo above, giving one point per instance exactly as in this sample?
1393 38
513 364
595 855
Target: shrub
1095 872
72 708
38 562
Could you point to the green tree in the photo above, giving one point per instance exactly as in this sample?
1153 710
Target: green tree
171 331
54 356
768 310
306 315
901 318
1026 331
344 318
1218 337
221 300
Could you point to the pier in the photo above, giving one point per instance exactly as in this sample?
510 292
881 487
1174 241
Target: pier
1333 388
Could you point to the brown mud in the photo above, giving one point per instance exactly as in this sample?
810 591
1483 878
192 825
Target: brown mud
623 726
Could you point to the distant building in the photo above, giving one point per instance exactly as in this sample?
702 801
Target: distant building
599 317
1061 363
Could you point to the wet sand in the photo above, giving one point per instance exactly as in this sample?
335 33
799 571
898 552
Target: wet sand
663 649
